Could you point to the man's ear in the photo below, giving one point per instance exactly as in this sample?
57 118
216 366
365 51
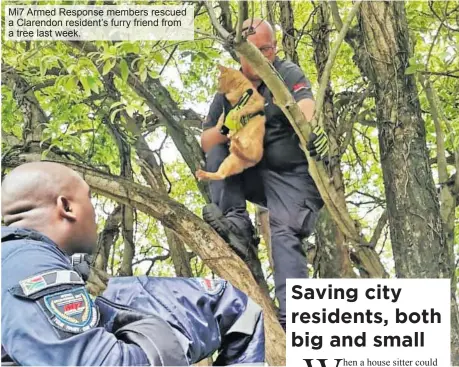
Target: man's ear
65 208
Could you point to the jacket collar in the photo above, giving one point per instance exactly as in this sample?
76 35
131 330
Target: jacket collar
14 233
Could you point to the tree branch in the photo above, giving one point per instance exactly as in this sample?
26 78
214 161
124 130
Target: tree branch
213 18
335 13
107 239
440 136
242 5
200 237
159 100
378 230
449 74
154 260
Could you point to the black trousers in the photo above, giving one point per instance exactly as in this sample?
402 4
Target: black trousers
292 200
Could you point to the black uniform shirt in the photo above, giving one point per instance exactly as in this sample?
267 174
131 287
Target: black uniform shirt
281 144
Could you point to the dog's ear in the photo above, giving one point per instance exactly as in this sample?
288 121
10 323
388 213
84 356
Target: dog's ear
221 68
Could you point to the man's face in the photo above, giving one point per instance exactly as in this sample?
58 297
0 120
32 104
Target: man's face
85 227
263 40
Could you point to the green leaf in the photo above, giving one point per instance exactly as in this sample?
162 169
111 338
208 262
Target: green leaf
116 104
134 62
129 47
113 114
70 68
71 83
143 75
157 56
107 67
85 83
153 74
42 67
92 81
142 71
202 55
411 70
130 110
124 70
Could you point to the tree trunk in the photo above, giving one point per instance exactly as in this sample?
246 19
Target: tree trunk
334 261
288 31
262 222
418 242
412 203
107 239
127 212
333 250
271 12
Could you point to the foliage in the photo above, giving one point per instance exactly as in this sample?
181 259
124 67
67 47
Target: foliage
71 88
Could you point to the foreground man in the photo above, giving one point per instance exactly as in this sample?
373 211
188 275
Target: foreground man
48 318
280 182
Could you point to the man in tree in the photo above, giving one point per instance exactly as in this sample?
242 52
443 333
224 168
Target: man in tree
280 182
48 318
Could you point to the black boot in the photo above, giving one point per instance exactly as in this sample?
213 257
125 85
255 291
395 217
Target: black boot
242 240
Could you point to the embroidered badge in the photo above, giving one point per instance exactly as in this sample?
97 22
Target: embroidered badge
33 284
72 310
212 286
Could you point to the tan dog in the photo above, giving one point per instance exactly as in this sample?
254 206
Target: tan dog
246 147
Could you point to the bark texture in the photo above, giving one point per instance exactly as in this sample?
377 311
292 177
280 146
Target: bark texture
333 250
418 241
34 116
288 31
107 239
334 260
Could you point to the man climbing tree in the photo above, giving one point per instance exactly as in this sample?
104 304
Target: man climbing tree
281 181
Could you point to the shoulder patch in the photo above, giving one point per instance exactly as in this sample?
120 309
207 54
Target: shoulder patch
72 310
49 279
212 286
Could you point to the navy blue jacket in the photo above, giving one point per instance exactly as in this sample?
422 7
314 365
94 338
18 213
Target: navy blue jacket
48 318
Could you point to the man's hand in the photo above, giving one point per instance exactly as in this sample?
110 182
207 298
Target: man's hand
318 144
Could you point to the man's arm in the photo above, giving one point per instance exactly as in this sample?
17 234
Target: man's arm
307 107
211 135
300 87
208 315
56 325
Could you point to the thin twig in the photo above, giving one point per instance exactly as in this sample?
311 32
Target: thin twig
168 59
448 74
